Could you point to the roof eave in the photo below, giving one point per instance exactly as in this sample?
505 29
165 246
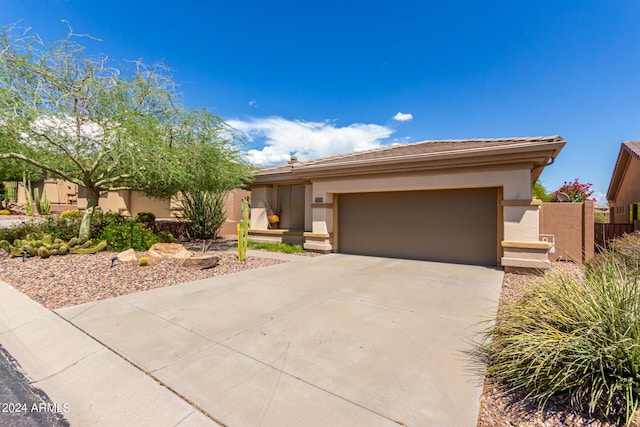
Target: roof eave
538 154
622 162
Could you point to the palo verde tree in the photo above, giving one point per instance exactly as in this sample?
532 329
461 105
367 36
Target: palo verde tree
79 118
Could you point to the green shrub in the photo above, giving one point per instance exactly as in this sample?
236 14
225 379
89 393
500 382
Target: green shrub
19 231
122 235
577 334
203 213
61 227
72 214
165 237
67 225
145 217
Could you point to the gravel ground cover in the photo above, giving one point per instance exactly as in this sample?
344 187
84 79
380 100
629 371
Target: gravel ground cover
61 281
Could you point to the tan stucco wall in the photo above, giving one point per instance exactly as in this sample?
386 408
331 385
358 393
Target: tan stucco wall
629 193
233 209
58 191
128 203
572 225
142 203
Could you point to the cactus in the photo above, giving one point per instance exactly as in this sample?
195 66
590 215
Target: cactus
28 204
12 191
92 250
243 231
45 204
83 239
74 242
43 252
143 261
31 247
30 250
36 199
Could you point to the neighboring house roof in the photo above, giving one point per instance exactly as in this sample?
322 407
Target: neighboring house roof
539 151
628 150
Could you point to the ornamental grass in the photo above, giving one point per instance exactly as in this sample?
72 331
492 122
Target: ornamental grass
575 334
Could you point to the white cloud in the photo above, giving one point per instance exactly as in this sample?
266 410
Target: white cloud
601 198
403 117
253 103
306 140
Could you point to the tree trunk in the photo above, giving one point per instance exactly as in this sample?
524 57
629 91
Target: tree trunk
85 225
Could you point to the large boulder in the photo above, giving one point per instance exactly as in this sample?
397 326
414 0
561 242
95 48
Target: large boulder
200 262
165 250
128 256
184 253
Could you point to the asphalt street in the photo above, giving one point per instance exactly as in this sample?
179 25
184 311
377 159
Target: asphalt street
21 404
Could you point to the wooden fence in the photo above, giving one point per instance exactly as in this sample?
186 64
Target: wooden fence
604 233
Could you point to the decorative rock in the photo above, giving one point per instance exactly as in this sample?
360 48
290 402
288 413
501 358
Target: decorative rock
182 254
128 256
164 250
200 262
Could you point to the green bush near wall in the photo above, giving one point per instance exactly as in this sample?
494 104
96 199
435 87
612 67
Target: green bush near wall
576 334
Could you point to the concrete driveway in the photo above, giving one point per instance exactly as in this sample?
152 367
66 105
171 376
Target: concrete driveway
334 340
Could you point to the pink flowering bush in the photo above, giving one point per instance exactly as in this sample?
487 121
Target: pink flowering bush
577 191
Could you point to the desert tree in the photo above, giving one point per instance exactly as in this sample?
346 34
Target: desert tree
105 127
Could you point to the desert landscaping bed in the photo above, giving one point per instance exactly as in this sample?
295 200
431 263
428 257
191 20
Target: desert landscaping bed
500 408
63 281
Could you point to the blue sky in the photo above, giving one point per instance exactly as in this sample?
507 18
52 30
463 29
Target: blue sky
319 78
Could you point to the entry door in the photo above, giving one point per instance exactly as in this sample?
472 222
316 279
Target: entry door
291 202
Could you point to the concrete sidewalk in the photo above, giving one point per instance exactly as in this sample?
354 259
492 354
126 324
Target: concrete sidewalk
91 385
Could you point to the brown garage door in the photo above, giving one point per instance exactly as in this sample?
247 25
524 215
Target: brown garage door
458 226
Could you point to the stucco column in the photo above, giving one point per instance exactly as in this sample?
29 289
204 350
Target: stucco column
521 245
320 238
260 196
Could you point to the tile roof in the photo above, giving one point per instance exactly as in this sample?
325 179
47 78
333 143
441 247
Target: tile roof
418 148
633 147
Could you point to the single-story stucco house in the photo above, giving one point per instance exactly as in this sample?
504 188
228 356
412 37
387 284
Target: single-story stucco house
624 189
460 201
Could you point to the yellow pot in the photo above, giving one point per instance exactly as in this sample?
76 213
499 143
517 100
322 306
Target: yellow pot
273 219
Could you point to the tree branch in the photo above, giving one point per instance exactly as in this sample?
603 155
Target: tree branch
62 147
111 180
41 166
118 188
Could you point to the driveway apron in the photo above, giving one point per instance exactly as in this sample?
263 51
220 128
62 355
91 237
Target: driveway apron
334 340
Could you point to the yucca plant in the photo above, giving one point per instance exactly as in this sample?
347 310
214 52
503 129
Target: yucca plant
577 334
203 213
